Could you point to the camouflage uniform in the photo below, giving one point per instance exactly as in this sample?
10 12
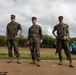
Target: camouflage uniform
12 31
62 31
56 48
34 37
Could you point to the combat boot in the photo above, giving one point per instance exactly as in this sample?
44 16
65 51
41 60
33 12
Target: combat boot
70 64
10 60
33 62
38 63
60 63
18 60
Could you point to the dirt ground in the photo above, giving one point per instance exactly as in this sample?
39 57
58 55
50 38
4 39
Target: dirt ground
47 68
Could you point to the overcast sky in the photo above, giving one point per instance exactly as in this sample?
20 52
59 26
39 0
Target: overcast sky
47 12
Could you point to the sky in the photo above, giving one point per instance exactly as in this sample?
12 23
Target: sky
46 11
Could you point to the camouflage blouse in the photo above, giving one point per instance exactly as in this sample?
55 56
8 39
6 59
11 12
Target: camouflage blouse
12 30
34 34
62 30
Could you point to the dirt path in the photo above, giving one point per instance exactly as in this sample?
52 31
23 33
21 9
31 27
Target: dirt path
47 68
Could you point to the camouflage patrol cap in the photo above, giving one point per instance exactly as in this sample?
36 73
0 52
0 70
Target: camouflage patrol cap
60 17
12 16
34 18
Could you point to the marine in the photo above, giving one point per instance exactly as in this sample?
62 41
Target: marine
12 36
63 38
34 41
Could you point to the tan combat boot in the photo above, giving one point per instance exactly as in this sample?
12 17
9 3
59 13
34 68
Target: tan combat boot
18 60
70 64
38 63
33 62
60 63
10 60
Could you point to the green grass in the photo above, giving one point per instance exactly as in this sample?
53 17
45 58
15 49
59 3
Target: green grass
46 54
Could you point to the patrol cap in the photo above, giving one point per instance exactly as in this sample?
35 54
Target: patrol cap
60 17
34 18
12 16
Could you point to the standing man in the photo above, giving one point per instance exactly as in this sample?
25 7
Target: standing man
35 39
62 37
12 38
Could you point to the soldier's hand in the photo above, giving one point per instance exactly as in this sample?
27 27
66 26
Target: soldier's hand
68 39
17 36
27 43
55 53
41 41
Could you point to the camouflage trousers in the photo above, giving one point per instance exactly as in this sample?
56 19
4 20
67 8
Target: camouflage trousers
35 51
65 45
11 44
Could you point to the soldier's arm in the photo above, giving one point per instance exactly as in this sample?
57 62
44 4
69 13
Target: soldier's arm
68 33
28 36
53 32
68 36
21 31
17 36
40 32
6 35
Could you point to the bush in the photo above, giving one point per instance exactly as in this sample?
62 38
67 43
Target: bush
22 41
48 41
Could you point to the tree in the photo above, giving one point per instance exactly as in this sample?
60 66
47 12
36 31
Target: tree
22 41
48 41
2 40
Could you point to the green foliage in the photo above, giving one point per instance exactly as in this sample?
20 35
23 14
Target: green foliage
72 39
48 41
22 41
2 40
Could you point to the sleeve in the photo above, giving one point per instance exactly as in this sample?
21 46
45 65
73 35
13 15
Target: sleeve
6 32
40 32
19 27
7 28
67 29
28 34
55 27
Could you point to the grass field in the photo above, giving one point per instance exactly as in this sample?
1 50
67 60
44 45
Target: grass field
46 54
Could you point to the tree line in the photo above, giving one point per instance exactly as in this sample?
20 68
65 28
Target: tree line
48 41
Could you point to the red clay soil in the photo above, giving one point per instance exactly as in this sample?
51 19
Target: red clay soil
47 68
